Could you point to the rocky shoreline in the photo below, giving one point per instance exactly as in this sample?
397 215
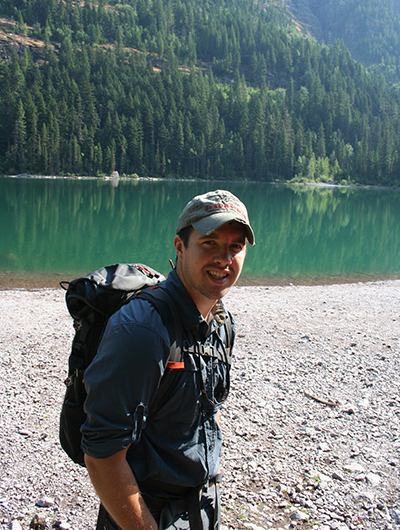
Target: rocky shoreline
311 427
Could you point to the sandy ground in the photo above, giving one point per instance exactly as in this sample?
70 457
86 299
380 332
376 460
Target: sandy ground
311 428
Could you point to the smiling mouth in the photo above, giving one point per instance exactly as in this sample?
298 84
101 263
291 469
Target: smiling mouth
218 275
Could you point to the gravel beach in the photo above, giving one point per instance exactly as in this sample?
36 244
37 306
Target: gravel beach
311 427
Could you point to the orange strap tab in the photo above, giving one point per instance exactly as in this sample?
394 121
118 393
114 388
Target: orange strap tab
175 365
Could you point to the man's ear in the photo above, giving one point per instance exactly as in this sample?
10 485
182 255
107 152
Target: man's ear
179 246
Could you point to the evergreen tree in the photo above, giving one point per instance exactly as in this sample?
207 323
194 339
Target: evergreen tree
20 138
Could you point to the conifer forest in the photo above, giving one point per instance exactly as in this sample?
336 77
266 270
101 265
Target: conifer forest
208 89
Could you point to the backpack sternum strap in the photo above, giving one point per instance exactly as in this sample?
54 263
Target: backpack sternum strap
208 350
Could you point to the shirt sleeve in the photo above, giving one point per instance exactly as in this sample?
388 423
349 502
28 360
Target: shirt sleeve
123 379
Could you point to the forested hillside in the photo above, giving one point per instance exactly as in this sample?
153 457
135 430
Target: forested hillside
228 89
369 28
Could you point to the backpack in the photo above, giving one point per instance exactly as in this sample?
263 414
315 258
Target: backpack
91 300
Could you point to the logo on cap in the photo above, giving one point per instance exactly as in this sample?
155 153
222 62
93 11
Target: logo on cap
230 206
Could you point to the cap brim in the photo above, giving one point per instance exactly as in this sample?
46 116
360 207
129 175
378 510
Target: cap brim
209 224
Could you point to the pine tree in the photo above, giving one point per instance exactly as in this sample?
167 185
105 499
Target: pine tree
320 148
20 138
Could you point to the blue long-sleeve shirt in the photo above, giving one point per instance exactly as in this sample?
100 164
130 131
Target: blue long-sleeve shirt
177 446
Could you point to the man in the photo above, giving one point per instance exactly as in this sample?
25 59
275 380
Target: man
159 469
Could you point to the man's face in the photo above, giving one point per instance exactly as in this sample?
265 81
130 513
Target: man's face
210 265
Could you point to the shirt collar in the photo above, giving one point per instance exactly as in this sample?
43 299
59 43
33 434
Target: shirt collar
191 317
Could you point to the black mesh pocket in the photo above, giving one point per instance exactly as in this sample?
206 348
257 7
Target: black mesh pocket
71 419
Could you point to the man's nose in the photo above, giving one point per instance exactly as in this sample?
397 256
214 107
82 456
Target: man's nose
223 256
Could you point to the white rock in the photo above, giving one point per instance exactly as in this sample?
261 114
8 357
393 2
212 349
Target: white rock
324 478
353 467
364 403
367 495
310 431
360 477
373 479
14 525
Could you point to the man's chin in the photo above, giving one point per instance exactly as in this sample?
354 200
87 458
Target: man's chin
220 292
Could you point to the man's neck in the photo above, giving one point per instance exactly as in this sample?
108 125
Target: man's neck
203 304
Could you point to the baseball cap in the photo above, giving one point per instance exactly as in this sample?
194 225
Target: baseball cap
209 211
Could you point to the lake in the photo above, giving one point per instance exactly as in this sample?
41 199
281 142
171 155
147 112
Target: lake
54 229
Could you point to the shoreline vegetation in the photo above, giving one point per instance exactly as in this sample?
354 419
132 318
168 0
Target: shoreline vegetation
135 177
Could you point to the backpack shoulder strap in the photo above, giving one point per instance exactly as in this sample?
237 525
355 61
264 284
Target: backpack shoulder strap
166 307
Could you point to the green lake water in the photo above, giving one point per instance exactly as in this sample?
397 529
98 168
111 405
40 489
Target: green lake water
61 228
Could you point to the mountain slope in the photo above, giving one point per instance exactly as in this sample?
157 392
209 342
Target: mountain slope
369 28
222 90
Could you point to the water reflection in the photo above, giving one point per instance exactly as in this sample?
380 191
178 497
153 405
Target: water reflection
75 226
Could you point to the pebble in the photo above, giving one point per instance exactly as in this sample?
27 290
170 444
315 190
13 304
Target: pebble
290 461
38 523
354 468
25 432
373 479
45 502
15 525
298 514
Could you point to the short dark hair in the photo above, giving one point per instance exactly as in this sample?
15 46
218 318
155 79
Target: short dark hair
184 235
